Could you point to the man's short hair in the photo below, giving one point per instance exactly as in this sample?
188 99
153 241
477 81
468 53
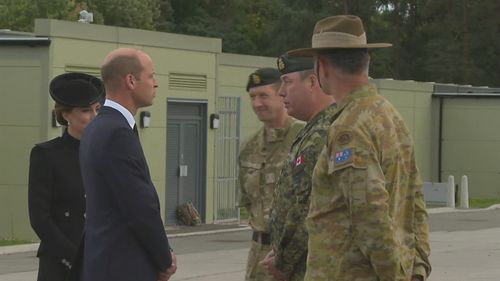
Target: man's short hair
351 61
276 86
306 73
119 67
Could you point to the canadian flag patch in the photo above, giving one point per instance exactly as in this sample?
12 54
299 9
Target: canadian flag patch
299 160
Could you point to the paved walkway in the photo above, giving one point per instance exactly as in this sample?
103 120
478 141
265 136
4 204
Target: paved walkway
465 246
472 255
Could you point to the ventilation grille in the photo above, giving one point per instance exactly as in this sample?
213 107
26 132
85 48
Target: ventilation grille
92 70
187 82
179 108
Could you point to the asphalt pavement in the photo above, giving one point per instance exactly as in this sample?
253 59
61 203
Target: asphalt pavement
465 246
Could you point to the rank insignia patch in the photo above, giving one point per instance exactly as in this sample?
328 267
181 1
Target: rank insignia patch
344 138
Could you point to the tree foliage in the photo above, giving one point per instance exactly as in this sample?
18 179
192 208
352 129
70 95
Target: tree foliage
451 41
143 14
19 15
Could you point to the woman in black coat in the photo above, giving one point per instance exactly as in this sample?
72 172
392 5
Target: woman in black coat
56 198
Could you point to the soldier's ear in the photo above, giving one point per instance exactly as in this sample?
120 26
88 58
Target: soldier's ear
312 80
322 67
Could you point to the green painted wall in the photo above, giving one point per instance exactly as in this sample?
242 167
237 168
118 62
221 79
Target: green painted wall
25 118
471 142
22 123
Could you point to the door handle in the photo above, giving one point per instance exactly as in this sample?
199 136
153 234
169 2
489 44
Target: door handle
183 170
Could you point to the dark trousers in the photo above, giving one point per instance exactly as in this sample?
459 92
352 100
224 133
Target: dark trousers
51 269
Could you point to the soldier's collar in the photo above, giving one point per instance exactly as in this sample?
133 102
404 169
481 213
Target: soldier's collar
360 92
277 134
327 110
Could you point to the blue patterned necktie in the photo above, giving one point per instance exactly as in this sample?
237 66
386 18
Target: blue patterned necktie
135 130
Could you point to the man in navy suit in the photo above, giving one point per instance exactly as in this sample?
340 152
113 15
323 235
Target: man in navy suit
124 237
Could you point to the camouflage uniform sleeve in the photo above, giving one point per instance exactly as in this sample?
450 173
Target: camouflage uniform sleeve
244 200
421 265
363 185
293 243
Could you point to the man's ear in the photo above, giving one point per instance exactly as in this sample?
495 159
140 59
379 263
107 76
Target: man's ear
130 81
313 80
323 66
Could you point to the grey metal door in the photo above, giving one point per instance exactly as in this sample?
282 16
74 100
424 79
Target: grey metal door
186 157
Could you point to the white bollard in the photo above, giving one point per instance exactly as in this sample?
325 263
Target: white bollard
464 193
451 192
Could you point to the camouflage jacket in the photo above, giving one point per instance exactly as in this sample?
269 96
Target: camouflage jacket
367 218
291 198
260 162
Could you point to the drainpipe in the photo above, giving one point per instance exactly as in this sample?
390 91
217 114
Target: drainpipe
440 137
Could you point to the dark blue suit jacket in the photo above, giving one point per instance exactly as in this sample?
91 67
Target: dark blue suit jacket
124 235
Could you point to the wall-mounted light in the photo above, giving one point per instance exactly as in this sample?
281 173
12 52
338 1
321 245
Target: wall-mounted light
214 121
55 124
145 119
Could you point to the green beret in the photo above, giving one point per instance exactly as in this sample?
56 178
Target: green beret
287 64
263 76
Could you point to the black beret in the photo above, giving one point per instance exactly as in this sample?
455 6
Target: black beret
263 76
76 89
287 64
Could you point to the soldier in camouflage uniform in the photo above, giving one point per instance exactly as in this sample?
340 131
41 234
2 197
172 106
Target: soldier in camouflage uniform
305 101
367 218
260 162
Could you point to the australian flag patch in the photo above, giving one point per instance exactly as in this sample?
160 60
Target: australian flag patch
343 156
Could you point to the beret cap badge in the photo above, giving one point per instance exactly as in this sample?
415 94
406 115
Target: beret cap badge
256 78
287 64
281 64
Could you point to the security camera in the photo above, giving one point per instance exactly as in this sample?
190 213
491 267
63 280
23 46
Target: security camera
86 17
